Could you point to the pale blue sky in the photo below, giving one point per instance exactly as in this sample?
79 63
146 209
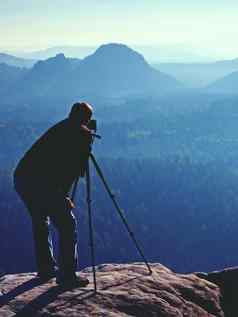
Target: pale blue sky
209 26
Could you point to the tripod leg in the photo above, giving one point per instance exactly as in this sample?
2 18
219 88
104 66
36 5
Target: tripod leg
119 211
90 224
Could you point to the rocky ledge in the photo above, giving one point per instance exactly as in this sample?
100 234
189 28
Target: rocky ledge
123 290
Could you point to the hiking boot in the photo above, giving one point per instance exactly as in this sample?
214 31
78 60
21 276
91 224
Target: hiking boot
72 282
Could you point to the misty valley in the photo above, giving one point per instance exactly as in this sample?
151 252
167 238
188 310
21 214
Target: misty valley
169 153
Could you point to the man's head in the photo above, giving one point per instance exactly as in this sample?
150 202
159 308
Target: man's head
81 113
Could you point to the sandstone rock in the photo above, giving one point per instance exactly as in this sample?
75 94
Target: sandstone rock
123 290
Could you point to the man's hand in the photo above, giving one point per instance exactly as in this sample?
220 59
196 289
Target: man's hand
70 203
85 129
89 132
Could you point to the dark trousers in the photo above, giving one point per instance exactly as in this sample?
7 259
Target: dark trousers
46 204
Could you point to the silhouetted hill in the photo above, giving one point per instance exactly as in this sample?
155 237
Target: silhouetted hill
199 74
226 85
112 71
16 61
46 79
116 70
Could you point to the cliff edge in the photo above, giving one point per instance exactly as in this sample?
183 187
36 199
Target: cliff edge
123 290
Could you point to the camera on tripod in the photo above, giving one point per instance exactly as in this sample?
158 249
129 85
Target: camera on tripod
92 125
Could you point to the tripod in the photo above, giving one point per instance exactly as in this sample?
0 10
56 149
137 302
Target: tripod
112 196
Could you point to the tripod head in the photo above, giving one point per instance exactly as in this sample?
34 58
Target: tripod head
92 125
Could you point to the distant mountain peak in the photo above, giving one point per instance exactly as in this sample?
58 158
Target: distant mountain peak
116 50
111 47
60 56
56 58
57 61
114 70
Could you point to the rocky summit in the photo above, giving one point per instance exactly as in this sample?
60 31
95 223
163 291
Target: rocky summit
123 290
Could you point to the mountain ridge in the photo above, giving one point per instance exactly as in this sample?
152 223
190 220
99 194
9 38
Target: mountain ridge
16 61
199 74
226 85
112 70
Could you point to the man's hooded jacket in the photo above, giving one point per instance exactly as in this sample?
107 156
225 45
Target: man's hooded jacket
57 158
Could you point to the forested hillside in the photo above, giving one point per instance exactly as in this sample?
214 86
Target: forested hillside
173 166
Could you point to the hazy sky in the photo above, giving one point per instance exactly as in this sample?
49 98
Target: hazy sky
209 26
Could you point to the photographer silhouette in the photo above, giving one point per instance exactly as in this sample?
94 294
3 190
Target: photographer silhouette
43 178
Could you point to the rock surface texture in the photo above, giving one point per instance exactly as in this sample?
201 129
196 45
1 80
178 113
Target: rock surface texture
123 290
